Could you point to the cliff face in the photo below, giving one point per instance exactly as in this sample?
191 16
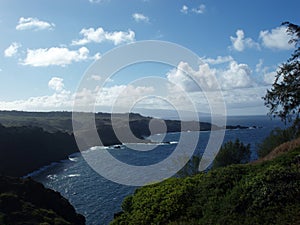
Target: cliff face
25 149
24 201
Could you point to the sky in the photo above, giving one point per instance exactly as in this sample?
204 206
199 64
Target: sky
46 46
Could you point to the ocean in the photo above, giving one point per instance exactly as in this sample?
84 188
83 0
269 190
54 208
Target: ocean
98 199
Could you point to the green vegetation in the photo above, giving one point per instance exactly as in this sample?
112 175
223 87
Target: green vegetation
283 99
26 202
265 193
232 153
62 121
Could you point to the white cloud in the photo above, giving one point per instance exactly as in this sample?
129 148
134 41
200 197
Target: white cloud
97 56
59 56
34 24
236 76
239 43
99 35
56 84
138 17
192 80
200 9
259 66
122 95
98 1
267 74
118 96
12 49
270 77
119 37
95 77
245 100
218 60
63 99
184 9
60 100
276 39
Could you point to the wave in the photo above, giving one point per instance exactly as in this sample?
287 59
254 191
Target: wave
75 159
74 175
52 176
40 170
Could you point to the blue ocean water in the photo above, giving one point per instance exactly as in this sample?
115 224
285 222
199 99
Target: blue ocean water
98 198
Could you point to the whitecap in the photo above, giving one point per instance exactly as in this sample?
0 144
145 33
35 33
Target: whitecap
73 159
52 177
74 175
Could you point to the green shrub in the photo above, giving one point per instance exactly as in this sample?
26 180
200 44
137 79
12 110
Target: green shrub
266 193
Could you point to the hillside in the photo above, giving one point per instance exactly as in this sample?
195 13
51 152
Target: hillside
25 149
62 121
30 140
261 193
26 202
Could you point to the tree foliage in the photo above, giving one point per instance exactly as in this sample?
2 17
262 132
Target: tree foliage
232 153
283 99
24 202
265 193
277 137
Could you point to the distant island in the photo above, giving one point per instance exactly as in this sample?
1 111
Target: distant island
31 140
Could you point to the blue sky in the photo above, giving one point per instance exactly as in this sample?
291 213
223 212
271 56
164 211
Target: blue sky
46 46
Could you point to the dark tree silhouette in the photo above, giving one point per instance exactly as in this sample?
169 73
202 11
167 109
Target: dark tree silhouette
283 99
232 153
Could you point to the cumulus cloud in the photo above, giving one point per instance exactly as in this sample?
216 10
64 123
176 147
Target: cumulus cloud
34 24
97 56
206 78
191 80
218 60
99 35
138 17
122 95
12 50
200 9
59 56
61 99
184 9
236 76
276 39
267 74
240 43
56 84
117 96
